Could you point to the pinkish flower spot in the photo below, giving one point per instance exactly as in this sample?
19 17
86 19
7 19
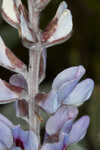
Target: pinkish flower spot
19 143
64 147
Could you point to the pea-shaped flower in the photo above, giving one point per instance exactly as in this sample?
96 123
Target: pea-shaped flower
66 90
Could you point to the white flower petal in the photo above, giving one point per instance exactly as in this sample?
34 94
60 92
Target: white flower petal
9 13
64 26
3 55
32 142
6 94
65 130
60 27
28 138
16 148
54 146
68 74
9 93
3 146
79 130
6 135
63 5
25 32
56 122
65 90
81 93
9 60
50 104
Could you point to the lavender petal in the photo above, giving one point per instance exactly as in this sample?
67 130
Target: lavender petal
69 74
19 81
79 130
81 93
56 122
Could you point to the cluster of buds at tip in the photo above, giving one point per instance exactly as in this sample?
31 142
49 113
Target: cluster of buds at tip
67 92
58 30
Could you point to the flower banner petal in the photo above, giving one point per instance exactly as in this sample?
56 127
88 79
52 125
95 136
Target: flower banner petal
81 93
68 74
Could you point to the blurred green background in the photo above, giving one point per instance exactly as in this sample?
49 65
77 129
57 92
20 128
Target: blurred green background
82 48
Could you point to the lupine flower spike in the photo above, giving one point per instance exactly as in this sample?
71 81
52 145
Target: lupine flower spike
67 91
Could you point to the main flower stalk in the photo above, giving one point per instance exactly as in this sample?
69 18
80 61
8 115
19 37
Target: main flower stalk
34 57
34 62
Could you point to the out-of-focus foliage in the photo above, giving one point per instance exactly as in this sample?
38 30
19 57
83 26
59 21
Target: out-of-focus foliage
83 47
77 147
94 112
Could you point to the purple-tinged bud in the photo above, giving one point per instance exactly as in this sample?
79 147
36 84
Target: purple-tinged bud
56 122
19 81
79 130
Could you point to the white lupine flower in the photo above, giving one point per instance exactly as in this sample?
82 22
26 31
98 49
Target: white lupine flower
60 27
